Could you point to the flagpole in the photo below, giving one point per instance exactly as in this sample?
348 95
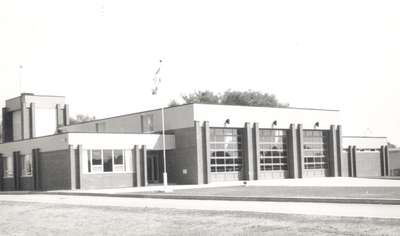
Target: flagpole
165 175
157 81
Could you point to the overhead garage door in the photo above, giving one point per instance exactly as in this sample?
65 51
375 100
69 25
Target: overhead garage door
368 163
316 159
273 154
226 160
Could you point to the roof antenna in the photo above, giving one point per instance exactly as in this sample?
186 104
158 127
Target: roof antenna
20 68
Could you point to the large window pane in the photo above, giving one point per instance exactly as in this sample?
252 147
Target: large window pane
118 157
96 157
107 160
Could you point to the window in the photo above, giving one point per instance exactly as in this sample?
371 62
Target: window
273 149
118 161
8 167
226 150
26 164
315 149
368 150
97 162
107 160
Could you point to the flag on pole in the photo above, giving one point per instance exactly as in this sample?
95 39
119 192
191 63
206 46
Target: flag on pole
156 80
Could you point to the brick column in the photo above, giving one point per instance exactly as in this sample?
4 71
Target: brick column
32 120
248 152
4 125
387 160
17 170
143 154
354 158
333 162
138 159
8 134
23 115
339 148
66 114
1 171
300 152
199 153
72 162
383 160
206 152
256 148
36 168
350 161
293 159
79 168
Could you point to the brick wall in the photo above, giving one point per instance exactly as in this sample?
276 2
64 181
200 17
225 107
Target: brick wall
184 157
55 170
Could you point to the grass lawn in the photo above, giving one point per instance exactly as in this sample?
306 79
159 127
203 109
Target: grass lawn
18 218
292 191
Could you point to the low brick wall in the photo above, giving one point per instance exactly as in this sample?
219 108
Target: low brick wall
108 180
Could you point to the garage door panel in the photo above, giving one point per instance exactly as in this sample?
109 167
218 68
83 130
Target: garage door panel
368 164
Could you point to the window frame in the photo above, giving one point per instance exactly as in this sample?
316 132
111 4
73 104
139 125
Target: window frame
116 168
226 148
273 149
316 150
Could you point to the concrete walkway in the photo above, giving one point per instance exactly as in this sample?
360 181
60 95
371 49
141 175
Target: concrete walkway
320 182
328 209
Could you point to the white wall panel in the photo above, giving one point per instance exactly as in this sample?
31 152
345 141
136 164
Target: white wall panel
364 142
265 116
175 118
45 122
46 144
120 141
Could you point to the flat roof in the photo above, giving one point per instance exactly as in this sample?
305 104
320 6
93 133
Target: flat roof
189 104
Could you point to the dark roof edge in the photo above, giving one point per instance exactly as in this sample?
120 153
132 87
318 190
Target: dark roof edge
64 133
296 108
129 114
45 136
188 104
364 137
34 95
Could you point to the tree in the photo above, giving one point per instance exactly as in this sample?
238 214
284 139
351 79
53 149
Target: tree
206 96
229 97
250 98
173 103
81 118
391 145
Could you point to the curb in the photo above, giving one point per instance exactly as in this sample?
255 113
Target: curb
231 198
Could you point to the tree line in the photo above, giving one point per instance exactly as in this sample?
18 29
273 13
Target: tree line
231 97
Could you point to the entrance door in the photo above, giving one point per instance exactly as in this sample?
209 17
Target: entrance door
154 166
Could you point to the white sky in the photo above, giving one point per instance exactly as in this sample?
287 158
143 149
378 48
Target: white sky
102 54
